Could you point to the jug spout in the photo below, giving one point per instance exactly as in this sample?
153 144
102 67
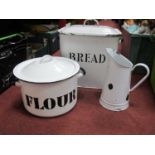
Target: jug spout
118 58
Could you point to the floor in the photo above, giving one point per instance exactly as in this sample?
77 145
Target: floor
88 117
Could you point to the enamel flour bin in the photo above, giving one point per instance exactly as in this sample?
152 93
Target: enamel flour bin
86 44
48 84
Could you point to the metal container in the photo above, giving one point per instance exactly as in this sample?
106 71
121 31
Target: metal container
116 89
86 44
48 85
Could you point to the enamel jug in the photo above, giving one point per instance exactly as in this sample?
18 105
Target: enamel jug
116 87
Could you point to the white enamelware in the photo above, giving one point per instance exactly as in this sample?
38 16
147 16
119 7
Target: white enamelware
48 84
86 44
116 88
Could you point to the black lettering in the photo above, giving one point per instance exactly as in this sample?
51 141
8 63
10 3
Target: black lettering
87 57
72 56
36 102
49 103
94 59
74 95
29 100
70 97
60 102
80 55
101 58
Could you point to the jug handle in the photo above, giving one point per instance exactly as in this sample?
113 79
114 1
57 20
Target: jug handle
142 80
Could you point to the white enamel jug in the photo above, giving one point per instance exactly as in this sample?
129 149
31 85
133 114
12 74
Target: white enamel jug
116 88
